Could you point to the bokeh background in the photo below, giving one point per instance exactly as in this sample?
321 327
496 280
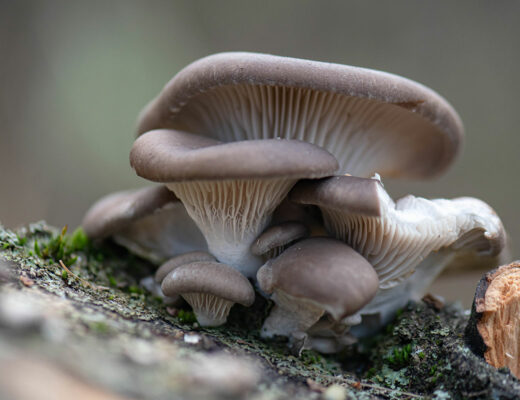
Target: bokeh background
74 75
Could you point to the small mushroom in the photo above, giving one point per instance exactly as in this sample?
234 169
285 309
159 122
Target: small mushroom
312 277
371 121
151 222
408 242
210 288
275 239
181 259
493 330
229 189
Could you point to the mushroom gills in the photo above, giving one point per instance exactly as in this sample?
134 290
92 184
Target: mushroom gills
231 214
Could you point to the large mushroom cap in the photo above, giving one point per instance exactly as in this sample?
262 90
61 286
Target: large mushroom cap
371 121
170 156
326 272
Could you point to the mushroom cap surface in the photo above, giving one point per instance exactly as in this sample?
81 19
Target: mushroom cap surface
303 99
169 156
210 277
181 259
324 271
115 211
343 193
278 235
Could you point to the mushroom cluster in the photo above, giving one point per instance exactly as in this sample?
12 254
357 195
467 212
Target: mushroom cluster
270 178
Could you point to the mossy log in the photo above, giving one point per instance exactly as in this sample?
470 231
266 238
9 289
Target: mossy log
85 329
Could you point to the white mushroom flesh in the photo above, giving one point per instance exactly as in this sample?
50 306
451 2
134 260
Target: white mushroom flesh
364 142
407 231
231 214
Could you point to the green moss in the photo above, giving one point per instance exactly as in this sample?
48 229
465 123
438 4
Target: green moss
186 317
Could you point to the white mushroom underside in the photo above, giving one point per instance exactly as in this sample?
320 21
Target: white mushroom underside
167 232
366 136
409 230
231 214
210 310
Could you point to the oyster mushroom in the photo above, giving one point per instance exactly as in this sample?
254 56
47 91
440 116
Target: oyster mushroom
181 259
408 242
275 239
229 189
210 288
313 277
150 222
371 121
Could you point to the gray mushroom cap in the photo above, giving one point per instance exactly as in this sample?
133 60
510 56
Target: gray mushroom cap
217 279
278 236
371 121
347 194
182 259
170 156
150 222
117 210
325 271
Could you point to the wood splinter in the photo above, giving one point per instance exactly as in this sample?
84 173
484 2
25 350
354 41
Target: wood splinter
493 330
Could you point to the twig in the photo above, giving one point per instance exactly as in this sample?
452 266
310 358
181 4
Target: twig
85 282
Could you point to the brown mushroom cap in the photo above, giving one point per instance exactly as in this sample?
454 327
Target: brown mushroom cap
348 194
371 121
217 279
182 259
169 156
277 236
324 271
117 210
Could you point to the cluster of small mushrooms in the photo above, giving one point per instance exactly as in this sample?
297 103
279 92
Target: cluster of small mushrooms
270 171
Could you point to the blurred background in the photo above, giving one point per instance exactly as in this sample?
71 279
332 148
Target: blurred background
74 76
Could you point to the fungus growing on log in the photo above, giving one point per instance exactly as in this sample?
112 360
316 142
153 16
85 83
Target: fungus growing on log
229 189
151 222
311 278
371 121
210 288
408 242
493 330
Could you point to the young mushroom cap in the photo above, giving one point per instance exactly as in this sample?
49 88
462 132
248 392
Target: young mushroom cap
312 277
229 189
181 259
211 288
151 222
371 121
276 238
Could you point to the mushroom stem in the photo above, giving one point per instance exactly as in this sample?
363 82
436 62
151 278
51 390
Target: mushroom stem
210 310
232 213
290 314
